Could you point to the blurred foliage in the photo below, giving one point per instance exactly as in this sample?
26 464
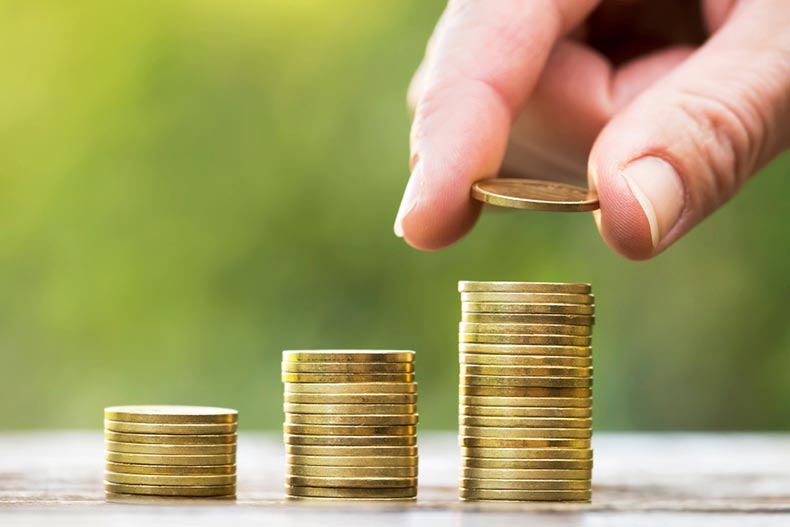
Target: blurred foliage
189 187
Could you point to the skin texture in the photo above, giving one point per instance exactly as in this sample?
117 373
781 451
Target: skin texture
665 107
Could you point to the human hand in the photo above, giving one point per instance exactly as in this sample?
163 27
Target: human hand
665 133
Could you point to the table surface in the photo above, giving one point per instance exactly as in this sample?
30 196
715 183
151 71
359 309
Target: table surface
639 479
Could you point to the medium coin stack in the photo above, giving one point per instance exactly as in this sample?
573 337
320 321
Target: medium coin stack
525 413
174 451
350 424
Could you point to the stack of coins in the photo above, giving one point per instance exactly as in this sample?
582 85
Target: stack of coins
350 424
174 451
526 391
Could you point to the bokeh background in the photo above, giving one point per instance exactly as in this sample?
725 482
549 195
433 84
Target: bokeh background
189 187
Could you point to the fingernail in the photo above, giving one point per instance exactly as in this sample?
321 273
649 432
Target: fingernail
659 190
410 198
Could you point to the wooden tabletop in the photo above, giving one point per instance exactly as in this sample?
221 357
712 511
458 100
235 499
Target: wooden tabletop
651 479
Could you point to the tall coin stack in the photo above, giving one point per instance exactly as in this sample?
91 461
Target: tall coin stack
350 424
170 451
526 391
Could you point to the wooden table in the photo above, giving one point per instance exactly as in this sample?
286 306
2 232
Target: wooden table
55 478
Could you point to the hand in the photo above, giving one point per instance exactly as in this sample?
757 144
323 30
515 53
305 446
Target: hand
665 132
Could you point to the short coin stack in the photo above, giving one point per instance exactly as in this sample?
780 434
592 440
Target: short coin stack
174 451
350 424
526 391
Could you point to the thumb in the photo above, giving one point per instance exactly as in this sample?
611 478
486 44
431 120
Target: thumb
684 147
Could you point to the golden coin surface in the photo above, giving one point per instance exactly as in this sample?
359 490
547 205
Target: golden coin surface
350 408
351 472
540 340
173 490
354 430
348 356
547 382
528 464
523 422
162 459
170 470
354 387
525 495
155 428
513 442
179 450
160 414
170 439
470 286
351 493
404 440
525 308
526 411
543 392
149 479
352 461
481 359
529 298
351 398
516 318
362 451
524 329
525 474
348 367
525 371
347 377
534 194
527 453
525 484
525 433
352 419
350 483
524 350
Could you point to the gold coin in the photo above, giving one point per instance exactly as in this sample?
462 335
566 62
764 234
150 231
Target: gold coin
170 439
534 194
469 286
524 308
409 452
529 298
525 495
534 318
525 433
179 450
526 453
350 377
480 359
525 474
163 459
405 440
540 340
148 479
525 350
351 493
352 461
543 442
547 382
170 470
354 387
525 371
528 464
168 415
151 428
348 356
348 367
542 392
351 419
350 483
351 472
524 422
525 484
524 329
349 430
366 409
526 411
173 490
351 398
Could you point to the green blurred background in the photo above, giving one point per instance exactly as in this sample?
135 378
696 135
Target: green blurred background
189 187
